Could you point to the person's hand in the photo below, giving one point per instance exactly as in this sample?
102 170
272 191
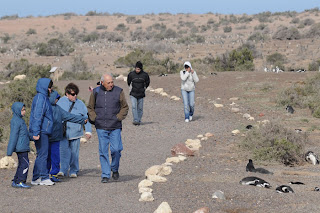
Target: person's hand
85 121
36 137
88 136
191 71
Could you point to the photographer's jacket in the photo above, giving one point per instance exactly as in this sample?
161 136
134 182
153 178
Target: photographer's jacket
138 82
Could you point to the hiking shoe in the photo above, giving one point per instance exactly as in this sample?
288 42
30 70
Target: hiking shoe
22 185
104 180
60 174
115 175
190 118
36 182
54 178
187 120
136 123
46 182
74 175
13 184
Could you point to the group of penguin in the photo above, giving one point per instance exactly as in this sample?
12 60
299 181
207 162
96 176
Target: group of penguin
255 181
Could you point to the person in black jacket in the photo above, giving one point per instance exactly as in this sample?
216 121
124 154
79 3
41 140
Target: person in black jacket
138 81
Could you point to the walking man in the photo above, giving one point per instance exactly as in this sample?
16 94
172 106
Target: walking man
138 81
107 108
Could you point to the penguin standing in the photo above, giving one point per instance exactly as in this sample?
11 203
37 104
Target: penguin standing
312 157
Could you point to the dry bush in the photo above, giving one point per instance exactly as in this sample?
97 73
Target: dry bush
314 31
285 33
275 143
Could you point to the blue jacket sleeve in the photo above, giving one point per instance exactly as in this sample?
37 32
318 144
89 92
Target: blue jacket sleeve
67 116
14 133
38 113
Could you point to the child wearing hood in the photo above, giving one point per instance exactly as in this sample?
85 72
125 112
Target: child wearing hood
19 142
59 115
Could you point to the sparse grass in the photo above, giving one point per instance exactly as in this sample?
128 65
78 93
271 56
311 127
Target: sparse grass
274 143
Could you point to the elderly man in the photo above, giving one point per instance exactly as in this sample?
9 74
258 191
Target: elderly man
107 108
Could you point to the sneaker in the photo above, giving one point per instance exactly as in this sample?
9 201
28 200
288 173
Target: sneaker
115 175
187 120
46 182
73 175
60 174
23 185
104 180
54 178
136 123
36 182
190 118
13 184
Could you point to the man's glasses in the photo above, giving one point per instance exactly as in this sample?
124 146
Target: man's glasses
73 94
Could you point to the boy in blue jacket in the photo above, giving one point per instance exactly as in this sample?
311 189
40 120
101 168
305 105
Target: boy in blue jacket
19 142
59 115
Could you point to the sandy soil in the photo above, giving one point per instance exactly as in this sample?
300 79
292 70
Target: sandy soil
219 165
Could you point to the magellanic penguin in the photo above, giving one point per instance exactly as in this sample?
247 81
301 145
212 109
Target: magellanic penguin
296 182
312 157
284 189
255 181
250 168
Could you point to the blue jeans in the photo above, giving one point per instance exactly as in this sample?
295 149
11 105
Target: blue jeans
112 138
188 103
69 156
23 167
53 163
137 108
40 165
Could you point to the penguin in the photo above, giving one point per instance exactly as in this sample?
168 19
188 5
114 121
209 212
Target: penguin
290 109
284 189
250 168
316 189
255 181
312 157
297 182
249 126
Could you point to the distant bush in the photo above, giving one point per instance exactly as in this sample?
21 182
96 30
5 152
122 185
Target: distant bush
210 21
274 143
94 13
131 19
79 65
31 31
264 16
3 49
285 33
158 26
55 47
227 29
79 76
111 36
140 35
5 38
11 17
307 22
314 31
193 38
257 36
73 32
245 19
295 20
314 65
261 27
277 59
158 47
93 36
121 27
101 27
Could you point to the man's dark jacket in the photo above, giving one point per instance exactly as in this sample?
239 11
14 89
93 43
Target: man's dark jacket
139 82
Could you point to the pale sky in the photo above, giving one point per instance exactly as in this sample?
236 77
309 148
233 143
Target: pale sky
139 7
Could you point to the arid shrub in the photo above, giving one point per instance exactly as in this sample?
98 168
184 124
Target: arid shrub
260 27
314 65
314 31
55 47
93 36
193 38
158 26
121 27
111 36
257 36
101 27
79 76
5 38
307 22
23 66
227 29
264 16
31 31
295 20
274 143
276 59
79 65
158 47
245 19
285 33
131 19
11 17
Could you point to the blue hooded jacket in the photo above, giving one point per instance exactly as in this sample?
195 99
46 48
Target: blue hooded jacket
60 115
19 136
41 118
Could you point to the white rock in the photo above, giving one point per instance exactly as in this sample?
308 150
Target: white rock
182 158
234 99
235 110
19 77
145 183
219 195
233 103
145 189
251 118
175 98
235 132
158 90
208 134
153 170
164 94
146 196
172 160
218 105
157 178
125 79
193 144
7 162
246 116
200 136
165 170
163 208
204 139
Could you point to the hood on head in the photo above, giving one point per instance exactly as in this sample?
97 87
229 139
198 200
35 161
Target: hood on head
42 85
16 108
187 63
53 96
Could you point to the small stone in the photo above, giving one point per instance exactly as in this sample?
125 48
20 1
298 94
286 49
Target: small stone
203 210
145 183
235 132
219 195
163 208
146 196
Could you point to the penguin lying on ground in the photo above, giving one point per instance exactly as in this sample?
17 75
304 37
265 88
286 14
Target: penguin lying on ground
255 181
297 182
250 168
284 189
312 157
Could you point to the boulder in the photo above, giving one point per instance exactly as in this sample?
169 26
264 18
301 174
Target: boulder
7 162
145 189
181 149
235 110
194 145
146 196
19 77
156 178
203 210
158 90
173 160
145 183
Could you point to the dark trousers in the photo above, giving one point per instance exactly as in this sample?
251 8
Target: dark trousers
53 164
23 168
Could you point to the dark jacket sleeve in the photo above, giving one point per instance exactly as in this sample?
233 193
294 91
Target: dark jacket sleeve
91 112
129 79
147 80
67 116
124 108
14 133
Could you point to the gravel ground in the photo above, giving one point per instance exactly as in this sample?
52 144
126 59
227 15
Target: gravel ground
217 166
